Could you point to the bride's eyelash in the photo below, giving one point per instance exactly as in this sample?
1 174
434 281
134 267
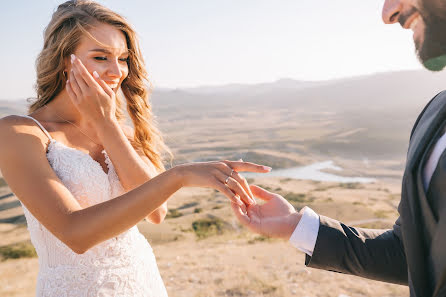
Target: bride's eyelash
105 58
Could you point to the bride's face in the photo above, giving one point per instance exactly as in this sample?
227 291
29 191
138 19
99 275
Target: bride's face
106 53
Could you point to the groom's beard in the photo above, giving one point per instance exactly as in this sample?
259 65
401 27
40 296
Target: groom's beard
432 51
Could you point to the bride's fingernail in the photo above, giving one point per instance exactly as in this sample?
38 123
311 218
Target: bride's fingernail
73 57
95 74
241 160
266 168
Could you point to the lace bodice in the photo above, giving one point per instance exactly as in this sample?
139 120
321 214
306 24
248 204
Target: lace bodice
121 266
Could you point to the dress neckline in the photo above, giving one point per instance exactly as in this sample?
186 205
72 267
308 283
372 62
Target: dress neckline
52 140
107 159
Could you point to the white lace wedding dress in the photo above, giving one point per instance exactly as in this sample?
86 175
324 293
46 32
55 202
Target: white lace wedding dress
123 266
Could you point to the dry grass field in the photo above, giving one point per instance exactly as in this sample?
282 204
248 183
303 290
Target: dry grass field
219 257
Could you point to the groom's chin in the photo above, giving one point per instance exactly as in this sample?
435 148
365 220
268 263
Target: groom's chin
433 59
435 64
431 47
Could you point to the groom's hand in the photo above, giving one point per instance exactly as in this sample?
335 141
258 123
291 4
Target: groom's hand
276 217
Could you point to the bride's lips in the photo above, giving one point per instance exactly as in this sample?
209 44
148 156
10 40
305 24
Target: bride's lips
112 85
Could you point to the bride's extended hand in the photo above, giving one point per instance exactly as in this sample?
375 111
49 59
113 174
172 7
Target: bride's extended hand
222 176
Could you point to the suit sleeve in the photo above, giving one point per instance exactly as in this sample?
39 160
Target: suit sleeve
369 253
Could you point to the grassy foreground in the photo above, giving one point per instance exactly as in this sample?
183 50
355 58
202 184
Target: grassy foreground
202 251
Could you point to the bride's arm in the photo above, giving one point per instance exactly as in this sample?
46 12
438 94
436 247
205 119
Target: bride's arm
26 169
132 168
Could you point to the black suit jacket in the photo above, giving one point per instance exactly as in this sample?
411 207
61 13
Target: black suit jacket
414 251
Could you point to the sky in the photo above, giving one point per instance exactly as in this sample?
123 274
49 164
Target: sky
188 43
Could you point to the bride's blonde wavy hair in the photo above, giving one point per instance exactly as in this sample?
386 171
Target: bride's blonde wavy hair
69 22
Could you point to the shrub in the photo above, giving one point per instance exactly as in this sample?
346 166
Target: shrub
18 250
353 186
173 213
285 180
295 197
381 214
188 205
260 238
204 228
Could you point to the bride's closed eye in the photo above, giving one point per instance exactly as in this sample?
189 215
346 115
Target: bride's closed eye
105 59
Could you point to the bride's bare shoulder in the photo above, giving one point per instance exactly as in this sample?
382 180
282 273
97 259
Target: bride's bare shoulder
14 122
11 120
18 131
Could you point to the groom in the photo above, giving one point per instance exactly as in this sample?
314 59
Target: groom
414 251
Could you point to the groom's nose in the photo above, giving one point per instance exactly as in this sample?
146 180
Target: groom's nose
391 11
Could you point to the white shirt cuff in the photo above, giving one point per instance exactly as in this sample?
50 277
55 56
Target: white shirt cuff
305 235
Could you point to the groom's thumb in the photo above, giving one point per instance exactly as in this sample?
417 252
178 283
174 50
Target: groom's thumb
261 193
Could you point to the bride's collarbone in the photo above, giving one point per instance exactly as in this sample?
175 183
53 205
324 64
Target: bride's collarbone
75 139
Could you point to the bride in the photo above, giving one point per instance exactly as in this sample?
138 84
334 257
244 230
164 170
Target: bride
83 177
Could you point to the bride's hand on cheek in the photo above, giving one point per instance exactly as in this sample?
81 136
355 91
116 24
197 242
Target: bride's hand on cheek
90 94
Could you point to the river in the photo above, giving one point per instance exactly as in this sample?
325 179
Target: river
313 172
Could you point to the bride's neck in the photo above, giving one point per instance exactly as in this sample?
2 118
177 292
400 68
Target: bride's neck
61 108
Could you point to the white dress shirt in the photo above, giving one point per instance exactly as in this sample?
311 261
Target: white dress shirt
305 235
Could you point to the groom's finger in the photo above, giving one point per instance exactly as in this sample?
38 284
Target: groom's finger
240 214
261 193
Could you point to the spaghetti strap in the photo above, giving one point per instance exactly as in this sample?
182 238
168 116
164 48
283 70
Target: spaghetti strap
40 125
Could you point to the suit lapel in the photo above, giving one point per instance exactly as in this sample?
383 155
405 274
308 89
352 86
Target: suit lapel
423 140
423 136
416 214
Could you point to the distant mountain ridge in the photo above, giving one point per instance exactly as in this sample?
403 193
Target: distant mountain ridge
284 83
392 89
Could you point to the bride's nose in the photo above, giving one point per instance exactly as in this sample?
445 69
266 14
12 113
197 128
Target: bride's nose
114 69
